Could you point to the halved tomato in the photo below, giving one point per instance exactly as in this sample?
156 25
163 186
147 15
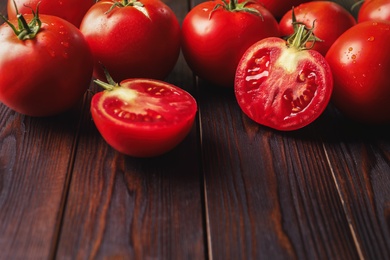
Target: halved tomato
143 117
281 84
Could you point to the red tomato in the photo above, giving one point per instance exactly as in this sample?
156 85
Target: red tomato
331 20
360 62
279 7
134 39
70 10
374 10
143 117
281 85
214 37
46 73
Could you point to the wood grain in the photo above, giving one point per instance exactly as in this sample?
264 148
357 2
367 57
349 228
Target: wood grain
269 194
359 156
35 159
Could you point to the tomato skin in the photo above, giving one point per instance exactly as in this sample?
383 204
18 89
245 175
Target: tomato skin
328 30
136 99
282 87
130 44
213 46
372 10
46 75
70 10
360 62
279 7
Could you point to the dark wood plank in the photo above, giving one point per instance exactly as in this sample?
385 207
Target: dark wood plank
35 159
360 159
270 195
123 207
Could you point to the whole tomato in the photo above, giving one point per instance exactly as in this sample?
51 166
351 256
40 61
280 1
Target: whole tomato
70 10
281 84
132 38
143 117
279 7
45 65
215 34
317 14
374 10
360 62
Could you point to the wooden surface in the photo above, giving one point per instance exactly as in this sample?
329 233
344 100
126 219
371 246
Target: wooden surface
231 190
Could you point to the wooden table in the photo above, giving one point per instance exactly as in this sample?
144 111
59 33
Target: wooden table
231 190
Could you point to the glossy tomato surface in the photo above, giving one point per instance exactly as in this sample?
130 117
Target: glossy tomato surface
330 21
143 117
214 41
70 10
279 7
140 40
45 75
372 10
282 87
360 62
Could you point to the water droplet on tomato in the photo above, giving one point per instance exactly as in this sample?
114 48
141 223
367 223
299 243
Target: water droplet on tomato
353 56
65 44
371 38
350 49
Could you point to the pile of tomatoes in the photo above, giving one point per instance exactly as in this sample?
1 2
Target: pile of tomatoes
285 64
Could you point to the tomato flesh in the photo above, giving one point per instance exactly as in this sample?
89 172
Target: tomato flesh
144 117
281 87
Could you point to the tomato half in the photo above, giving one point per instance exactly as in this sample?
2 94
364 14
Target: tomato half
132 38
360 62
70 10
143 117
215 35
45 73
328 19
281 86
374 10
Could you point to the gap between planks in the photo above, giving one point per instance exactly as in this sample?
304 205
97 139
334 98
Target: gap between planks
346 212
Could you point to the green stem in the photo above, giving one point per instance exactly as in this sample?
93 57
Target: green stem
233 4
105 85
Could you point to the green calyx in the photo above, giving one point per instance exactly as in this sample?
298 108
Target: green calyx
302 35
25 30
234 6
110 84
135 3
